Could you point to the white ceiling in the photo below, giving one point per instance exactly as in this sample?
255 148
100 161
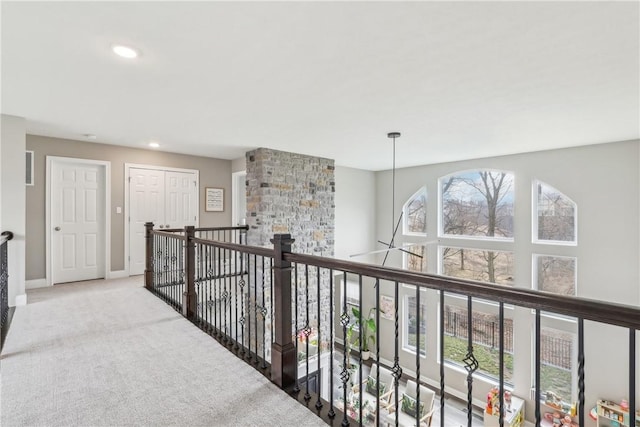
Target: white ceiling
459 80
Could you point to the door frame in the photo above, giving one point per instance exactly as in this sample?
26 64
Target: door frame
106 226
235 197
127 218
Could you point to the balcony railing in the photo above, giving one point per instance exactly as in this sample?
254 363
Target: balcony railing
280 311
4 285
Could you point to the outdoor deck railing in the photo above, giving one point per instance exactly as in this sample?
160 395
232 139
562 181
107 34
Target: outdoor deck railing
278 310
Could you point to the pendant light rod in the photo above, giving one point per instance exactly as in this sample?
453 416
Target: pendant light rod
393 135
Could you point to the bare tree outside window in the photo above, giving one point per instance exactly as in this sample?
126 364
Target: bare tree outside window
415 213
485 266
478 204
415 258
556 215
556 274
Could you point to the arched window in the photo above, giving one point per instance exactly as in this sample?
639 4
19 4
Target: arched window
415 214
556 215
477 204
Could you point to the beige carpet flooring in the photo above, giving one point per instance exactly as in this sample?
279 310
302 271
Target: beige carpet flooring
109 353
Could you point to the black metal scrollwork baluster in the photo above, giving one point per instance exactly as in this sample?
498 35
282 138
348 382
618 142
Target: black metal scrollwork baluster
344 374
306 330
470 361
396 370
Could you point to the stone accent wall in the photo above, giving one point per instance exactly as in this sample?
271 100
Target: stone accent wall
293 193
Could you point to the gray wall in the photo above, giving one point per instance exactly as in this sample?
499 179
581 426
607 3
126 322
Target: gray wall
12 211
355 213
213 173
603 180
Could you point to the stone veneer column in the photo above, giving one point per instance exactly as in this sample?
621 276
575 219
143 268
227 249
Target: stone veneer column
294 193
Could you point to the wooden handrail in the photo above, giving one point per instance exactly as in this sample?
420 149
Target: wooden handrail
589 309
605 312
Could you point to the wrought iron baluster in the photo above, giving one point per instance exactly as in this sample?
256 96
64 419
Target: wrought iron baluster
331 412
360 332
210 261
248 298
581 372
225 295
242 284
235 318
537 368
632 377
263 312
216 273
418 350
501 363
377 287
442 383
296 386
397 369
470 361
319 355
306 330
344 375
255 305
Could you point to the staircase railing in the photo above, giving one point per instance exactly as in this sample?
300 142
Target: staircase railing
4 285
280 312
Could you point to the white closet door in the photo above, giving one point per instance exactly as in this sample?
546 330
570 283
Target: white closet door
181 199
77 218
146 203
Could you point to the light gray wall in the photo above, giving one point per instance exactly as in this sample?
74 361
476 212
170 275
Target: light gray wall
355 213
213 173
12 213
603 180
239 165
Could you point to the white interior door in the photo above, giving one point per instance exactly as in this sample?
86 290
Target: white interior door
181 194
146 203
77 221
169 199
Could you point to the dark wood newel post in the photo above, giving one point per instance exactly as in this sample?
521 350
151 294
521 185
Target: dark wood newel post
189 295
283 352
148 256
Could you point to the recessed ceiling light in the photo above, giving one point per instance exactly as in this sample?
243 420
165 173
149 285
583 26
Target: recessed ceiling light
154 145
89 136
125 51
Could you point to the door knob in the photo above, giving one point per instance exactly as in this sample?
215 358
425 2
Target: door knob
161 226
57 228
166 226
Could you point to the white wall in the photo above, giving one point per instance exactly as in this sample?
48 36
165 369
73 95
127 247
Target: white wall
603 180
13 208
355 213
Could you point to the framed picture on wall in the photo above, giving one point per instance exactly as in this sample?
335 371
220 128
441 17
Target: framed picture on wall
387 307
214 199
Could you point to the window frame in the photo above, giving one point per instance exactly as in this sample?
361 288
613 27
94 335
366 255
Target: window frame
535 219
405 231
464 237
486 307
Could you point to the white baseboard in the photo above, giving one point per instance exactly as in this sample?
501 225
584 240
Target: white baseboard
21 300
119 274
35 283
